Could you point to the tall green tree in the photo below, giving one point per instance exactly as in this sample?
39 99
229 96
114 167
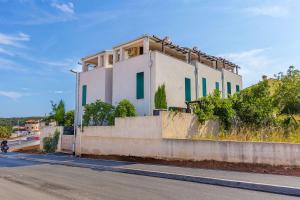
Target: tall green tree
69 118
160 98
287 94
58 112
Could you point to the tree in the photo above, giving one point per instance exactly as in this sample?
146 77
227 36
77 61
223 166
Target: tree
58 112
160 99
5 131
287 94
255 106
69 118
98 113
125 109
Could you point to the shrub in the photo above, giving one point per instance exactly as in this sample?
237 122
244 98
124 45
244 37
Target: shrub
213 106
125 109
98 113
50 143
255 106
5 131
160 98
69 118
58 112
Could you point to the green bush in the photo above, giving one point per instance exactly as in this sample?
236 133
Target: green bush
214 107
125 109
160 98
50 143
5 131
69 118
98 113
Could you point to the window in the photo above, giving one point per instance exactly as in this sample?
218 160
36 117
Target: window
84 92
218 86
140 85
187 84
110 59
102 61
141 50
118 55
237 88
228 88
204 91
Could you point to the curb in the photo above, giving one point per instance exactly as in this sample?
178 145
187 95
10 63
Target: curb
276 189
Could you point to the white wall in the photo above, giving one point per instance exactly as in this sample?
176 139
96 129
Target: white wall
124 82
234 79
172 72
152 136
99 86
212 76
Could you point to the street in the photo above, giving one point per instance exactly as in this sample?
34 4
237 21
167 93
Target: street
24 179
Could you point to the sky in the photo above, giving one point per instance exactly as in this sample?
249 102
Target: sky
41 40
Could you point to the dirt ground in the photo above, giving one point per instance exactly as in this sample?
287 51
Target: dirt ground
209 164
205 164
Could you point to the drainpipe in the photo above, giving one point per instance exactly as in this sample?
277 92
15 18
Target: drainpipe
150 81
196 79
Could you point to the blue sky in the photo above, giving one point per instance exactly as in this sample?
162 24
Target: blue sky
41 40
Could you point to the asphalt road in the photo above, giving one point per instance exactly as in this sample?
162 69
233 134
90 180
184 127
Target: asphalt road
20 179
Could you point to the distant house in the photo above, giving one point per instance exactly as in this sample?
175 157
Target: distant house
32 126
134 70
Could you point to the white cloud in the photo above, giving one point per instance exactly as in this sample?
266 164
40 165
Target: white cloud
13 40
67 8
6 52
6 64
254 63
12 94
271 11
58 92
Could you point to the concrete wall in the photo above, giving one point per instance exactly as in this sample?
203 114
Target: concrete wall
151 137
47 131
186 126
67 143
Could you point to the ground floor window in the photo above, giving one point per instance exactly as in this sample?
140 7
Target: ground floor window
140 85
228 88
237 88
187 84
84 93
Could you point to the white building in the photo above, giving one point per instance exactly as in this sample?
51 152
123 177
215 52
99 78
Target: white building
134 70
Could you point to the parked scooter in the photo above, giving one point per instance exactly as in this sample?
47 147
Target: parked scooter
4 146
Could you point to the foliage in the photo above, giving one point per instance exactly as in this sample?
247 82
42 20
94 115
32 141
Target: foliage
213 106
287 94
125 109
255 105
58 112
5 131
98 113
15 121
160 99
50 142
69 118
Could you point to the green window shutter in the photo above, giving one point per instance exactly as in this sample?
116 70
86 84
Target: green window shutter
84 93
140 85
237 88
187 84
228 88
204 92
218 86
